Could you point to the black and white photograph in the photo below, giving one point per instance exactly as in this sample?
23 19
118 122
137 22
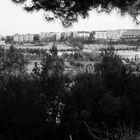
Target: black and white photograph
70 70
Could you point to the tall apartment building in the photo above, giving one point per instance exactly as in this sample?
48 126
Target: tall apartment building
30 37
51 36
23 38
58 36
65 35
100 35
16 38
42 36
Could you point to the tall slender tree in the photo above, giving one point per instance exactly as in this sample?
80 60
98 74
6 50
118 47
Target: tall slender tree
51 81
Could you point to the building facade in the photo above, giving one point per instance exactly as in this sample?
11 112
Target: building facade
23 38
114 35
131 35
100 35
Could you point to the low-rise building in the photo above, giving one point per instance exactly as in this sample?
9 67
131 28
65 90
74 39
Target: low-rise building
131 35
114 35
81 35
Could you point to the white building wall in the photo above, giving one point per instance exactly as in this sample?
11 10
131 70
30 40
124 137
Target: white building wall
100 35
75 34
16 37
30 37
114 35
21 38
83 34
42 36
26 38
58 36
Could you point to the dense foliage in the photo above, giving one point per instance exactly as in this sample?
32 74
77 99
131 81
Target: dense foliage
68 11
49 104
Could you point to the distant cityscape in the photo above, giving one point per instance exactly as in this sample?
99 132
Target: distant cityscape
113 35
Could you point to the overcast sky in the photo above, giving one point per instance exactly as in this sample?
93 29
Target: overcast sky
15 20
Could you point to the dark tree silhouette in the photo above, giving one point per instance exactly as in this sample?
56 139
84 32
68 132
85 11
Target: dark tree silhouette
51 81
36 38
9 39
12 61
69 10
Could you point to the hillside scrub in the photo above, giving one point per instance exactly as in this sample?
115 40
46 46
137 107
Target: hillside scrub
47 103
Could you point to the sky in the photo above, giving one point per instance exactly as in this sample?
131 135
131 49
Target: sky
13 19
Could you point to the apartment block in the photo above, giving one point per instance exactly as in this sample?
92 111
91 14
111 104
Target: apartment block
100 35
81 34
131 35
114 35
23 38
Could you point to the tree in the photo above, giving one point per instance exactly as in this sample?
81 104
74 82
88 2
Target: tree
102 99
68 11
51 82
36 38
78 45
12 61
21 105
120 79
9 39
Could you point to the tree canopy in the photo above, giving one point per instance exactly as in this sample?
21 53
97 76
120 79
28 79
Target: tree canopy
68 11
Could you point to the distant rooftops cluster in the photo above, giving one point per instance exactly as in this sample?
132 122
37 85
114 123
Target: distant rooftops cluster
93 35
